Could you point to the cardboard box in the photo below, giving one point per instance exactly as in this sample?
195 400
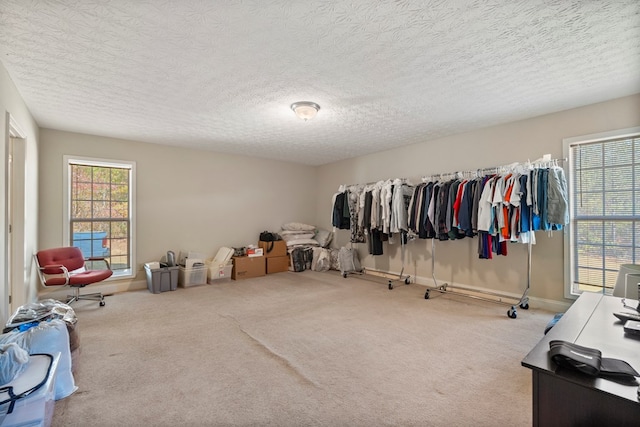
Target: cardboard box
279 248
245 267
255 252
277 264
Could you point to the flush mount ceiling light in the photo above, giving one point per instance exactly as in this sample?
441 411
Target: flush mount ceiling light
305 110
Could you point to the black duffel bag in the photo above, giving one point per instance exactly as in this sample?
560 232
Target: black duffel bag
267 236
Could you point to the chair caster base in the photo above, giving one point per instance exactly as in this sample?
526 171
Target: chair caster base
91 297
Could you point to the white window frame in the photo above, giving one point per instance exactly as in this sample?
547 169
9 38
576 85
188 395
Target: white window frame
129 273
568 241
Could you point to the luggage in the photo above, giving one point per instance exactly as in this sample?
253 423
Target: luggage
349 261
308 258
301 259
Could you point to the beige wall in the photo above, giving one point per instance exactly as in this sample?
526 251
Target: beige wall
199 200
186 199
24 288
456 261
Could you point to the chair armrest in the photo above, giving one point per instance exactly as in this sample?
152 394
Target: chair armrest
95 258
54 269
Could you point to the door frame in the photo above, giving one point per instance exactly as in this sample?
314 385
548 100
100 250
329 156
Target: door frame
15 165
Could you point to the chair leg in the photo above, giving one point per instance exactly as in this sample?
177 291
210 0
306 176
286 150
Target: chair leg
77 296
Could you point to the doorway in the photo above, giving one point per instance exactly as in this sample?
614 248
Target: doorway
14 216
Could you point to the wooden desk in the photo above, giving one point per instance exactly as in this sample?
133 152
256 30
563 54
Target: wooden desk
563 397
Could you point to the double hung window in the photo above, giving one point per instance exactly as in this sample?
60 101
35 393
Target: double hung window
99 218
604 194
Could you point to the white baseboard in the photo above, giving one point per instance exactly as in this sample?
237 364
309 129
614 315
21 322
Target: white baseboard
109 288
462 288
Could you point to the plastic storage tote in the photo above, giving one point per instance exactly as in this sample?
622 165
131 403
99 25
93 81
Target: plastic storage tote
192 276
161 279
36 409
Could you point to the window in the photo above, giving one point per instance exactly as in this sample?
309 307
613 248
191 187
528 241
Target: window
99 217
604 194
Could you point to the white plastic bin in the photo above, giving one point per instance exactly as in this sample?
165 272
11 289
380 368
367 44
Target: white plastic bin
217 274
192 276
37 408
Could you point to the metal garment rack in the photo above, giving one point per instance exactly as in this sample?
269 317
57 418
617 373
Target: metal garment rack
512 312
499 298
391 277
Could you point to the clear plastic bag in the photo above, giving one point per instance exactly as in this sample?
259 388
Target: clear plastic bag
13 361
349 260
321 259
48 337
43 310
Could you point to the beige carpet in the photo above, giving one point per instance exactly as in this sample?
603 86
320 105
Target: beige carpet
301 349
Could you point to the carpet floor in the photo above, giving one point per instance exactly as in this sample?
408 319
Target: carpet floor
301 349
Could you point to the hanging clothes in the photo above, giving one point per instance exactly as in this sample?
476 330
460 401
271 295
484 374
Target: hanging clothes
499 208
557 198
341 218
353 202
400 202
417 209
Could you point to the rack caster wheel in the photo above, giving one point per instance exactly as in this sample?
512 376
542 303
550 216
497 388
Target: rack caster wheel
512 313
426 294
102 303
344 275
407 281
390 285
524 306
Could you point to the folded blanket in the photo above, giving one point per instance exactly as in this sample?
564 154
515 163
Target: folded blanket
297 236
298 226
302 242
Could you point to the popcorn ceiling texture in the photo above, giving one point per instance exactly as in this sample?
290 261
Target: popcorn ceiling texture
220 75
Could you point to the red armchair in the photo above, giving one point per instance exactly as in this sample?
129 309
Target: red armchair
66 266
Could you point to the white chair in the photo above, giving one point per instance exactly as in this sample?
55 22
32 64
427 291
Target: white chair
628 281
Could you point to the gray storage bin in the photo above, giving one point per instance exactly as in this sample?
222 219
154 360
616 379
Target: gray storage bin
162 279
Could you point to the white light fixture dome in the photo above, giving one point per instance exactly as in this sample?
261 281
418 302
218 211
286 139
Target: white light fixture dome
305 110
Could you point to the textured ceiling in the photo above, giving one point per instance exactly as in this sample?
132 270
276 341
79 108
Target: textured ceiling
220 75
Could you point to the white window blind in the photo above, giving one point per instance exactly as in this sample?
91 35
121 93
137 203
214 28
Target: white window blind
605 211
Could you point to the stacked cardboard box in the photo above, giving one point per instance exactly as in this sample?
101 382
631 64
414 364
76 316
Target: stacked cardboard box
277 259
245 267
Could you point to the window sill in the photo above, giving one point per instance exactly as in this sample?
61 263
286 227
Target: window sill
122 274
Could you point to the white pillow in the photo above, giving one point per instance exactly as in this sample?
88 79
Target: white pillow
323 237
293 232
297 236
302 242
297 226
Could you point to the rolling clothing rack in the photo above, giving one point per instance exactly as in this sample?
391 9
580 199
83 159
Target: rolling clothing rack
517 169
390 277
523 302
398 230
